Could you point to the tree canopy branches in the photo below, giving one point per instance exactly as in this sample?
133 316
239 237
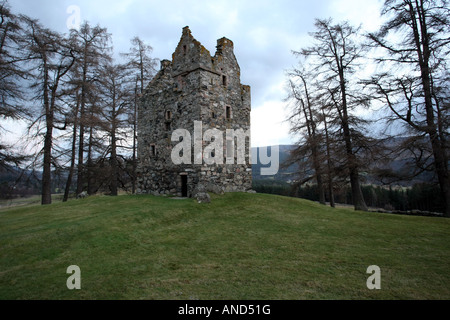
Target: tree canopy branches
411 51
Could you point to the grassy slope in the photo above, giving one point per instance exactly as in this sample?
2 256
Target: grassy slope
241 246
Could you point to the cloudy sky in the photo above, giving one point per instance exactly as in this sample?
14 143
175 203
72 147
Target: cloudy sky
264 33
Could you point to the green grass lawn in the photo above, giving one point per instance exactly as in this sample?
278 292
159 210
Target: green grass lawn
241 246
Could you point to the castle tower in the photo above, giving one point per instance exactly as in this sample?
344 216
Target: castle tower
200 95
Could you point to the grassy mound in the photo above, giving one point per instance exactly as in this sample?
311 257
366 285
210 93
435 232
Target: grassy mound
240 246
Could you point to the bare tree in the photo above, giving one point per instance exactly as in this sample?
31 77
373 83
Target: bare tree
116 100
144 67
415 86
140 61
334 59
304 118
93 47
11 73
50 58
73 115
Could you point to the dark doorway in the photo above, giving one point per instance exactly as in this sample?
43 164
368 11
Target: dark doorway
184 186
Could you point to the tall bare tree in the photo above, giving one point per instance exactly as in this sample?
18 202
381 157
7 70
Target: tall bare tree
11 73
415 87
334 59
93 47
144 67
50 58
116 100
73 115
304 118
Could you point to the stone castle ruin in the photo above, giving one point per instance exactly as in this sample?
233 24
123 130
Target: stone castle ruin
194 124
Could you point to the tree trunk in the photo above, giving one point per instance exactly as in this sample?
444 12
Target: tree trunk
73 154
134 160
440 161
81 175
114 187
311 125
329 165
46 173
114 165
90 164
423 52
114 171
357 196
80 166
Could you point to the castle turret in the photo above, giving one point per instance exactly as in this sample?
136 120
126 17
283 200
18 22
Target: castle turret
224 45
190 55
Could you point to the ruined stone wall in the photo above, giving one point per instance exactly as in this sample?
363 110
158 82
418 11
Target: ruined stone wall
193 87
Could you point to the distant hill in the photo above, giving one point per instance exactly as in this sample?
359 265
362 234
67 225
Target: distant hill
284 174
400 165
18 182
